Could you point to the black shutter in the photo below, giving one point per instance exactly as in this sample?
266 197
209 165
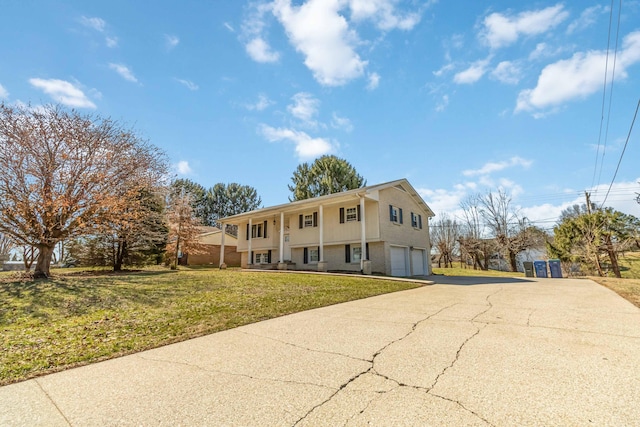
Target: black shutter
251 257
265 230
347 253
400 215
341 215
300 221
390 212
247 231
358 209
315 219
420 222
366 256
269 257
305 256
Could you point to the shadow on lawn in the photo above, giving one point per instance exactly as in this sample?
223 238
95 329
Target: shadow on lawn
475 280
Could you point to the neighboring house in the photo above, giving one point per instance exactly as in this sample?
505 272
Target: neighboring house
211 240
381 229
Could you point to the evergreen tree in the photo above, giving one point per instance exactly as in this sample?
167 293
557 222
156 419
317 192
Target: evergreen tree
326 175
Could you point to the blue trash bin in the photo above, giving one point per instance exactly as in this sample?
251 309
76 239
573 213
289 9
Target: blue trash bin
541 268
555 268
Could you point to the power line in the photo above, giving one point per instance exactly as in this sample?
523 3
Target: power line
604 93
623 150
613 77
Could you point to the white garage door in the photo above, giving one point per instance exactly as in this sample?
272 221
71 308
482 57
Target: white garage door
417 262
398 261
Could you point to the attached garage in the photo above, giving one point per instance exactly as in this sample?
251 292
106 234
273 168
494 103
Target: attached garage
399 265
418 262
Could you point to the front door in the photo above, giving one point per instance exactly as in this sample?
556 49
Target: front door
286 252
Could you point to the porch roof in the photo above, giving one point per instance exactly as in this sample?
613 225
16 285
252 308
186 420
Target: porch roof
329 199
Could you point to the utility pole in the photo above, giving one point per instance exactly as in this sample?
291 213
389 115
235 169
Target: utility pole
587 196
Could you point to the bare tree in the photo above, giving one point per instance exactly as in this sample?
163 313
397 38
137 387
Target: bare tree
473 241
65 174
6 245
445 233
513 232
183 228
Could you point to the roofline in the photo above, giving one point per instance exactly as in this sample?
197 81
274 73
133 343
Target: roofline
295 205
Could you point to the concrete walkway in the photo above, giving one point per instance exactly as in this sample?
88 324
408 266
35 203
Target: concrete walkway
487 352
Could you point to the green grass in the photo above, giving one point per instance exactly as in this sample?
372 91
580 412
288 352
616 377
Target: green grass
629 286
457 271
78 318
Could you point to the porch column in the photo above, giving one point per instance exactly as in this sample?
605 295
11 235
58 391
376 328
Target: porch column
249 257
365 264
222 264
281 237
321 230
322 265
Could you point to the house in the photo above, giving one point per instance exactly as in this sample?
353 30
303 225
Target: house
381 229
210 239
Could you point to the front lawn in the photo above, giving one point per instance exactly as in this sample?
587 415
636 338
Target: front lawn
457 271
78 318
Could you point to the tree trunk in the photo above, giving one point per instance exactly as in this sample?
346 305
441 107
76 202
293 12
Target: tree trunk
121 248
512 261
44 262
613 257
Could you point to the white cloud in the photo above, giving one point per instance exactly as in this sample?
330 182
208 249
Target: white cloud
124 72
577 77
171 41
111 42
374 81
338 122
3 92
188 84
442 105
502 30
307 148
473 73
491 167
322 35
383 13
444 69
507 72
97 24
183 167
304 107
586 19
260 51
262 104
441 200
229 27
63 92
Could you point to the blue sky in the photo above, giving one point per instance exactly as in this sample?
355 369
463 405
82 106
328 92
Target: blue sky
458 97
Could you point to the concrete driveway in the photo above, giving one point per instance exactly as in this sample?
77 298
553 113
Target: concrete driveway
496 352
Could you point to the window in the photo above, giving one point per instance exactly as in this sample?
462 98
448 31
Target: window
308 220
256 231
353 253
311 255
262 257
395 214
314 255
352 214
356 253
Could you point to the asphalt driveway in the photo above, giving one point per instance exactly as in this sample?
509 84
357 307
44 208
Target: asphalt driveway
485 352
